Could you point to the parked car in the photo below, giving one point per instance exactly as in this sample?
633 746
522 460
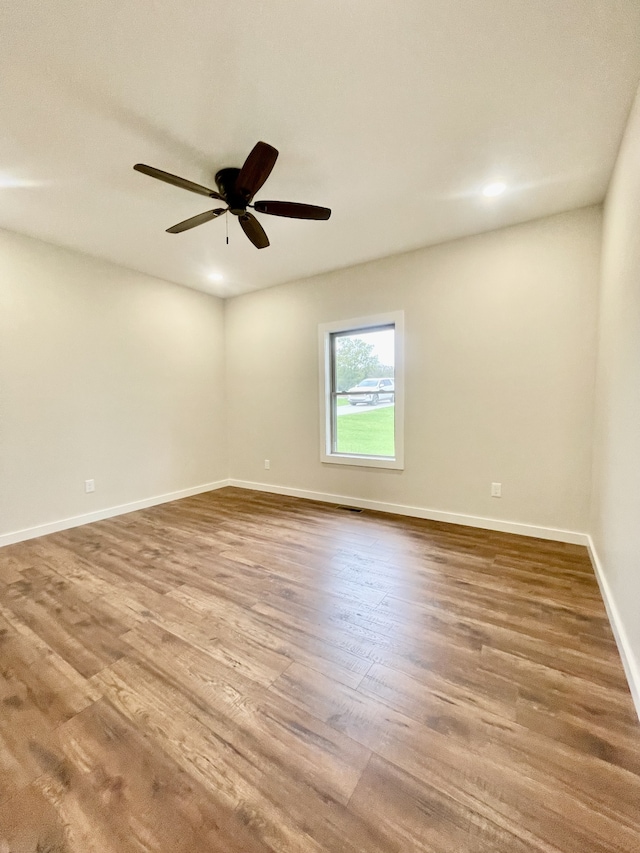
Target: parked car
371 391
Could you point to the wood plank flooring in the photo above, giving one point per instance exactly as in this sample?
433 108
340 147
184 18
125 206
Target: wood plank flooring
242 672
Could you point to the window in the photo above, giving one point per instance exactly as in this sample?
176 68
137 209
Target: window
361 403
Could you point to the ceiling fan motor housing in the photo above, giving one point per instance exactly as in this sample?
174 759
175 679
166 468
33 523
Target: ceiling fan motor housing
226 182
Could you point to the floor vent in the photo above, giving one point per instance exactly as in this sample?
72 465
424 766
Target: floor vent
350 508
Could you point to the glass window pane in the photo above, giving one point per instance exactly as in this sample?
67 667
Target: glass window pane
364 419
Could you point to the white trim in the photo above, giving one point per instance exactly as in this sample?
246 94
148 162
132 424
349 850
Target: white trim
325 330
552 533
98 515
629 661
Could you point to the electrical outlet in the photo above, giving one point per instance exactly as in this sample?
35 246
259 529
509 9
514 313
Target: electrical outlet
267 464
89 486
496 490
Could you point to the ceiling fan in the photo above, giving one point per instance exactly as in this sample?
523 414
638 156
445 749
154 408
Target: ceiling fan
237 188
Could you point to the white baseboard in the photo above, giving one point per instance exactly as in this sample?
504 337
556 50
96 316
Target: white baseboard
629 661
98 515
551 533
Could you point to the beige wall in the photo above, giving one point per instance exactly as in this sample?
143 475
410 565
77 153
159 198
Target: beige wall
616 505
104 374
112 375
500 355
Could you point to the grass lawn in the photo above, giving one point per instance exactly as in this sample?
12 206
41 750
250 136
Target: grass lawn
371 432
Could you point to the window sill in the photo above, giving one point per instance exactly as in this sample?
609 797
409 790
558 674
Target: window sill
364 461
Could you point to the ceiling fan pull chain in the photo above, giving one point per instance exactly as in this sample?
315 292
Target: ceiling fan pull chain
226 219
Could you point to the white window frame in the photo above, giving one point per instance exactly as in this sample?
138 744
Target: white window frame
361 324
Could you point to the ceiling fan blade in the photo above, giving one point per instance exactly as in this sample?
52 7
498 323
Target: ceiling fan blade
256 169
253 230
200 219
168 178
292 209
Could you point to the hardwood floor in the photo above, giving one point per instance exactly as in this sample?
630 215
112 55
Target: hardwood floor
242 672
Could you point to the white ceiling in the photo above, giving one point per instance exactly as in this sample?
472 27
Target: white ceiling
394 114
